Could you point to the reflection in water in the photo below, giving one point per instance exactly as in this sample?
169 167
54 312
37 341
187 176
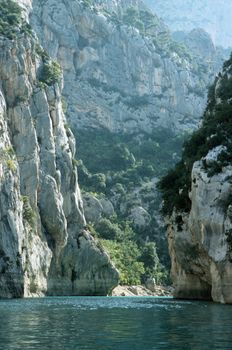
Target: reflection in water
113 323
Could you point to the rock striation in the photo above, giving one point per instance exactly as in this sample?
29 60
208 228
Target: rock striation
122 71
45 248
200 253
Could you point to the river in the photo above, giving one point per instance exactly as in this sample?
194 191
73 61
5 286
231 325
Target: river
105 323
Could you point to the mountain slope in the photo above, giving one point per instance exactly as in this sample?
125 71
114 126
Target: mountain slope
185 15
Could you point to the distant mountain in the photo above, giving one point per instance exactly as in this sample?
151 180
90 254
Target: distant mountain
214 16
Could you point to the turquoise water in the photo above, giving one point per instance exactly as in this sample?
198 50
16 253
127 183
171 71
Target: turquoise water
114 323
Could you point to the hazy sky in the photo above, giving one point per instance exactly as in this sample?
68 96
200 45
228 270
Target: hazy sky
215 16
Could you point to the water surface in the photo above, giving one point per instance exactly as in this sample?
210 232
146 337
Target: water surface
114 323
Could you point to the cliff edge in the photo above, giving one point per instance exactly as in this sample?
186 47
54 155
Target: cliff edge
44 246
198 203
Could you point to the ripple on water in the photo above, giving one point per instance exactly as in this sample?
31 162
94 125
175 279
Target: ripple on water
113 323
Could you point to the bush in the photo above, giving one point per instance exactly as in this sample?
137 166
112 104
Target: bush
51 73
126 259
28 213
11 20
11 165
150 260
108 230
87 3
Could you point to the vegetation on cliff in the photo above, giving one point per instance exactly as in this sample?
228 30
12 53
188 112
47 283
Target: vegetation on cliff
118 167
215 130
11 19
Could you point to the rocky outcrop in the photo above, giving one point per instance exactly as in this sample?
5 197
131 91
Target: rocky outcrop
200 241
121 69
44 247
199 246
142 291
186 15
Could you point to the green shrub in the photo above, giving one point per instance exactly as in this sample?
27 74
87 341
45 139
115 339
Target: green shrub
11 165
108 230
41 53
28 213
126 259
87 3
150 260
51 73
11 20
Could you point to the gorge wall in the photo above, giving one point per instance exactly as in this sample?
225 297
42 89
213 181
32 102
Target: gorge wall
44 246
130 88
199 203
122 71
130 93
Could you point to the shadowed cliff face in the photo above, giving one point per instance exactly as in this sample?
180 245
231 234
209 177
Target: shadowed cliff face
44 248
185 15
200 240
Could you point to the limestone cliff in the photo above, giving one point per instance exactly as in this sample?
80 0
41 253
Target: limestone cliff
125 75
122 70
44 247
200 222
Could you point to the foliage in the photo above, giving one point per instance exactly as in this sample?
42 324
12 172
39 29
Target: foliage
132 18
28 213
126 156
180 49
150 259
121 163
108 230
41 52
11 19
216 130
135 259
11 165
126 259
51 73
87 3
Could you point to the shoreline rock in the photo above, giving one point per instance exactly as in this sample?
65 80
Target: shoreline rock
140 291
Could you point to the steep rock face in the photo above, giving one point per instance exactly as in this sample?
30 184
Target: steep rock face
124 73
44 248
120 76
200 252
214 17
200 241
